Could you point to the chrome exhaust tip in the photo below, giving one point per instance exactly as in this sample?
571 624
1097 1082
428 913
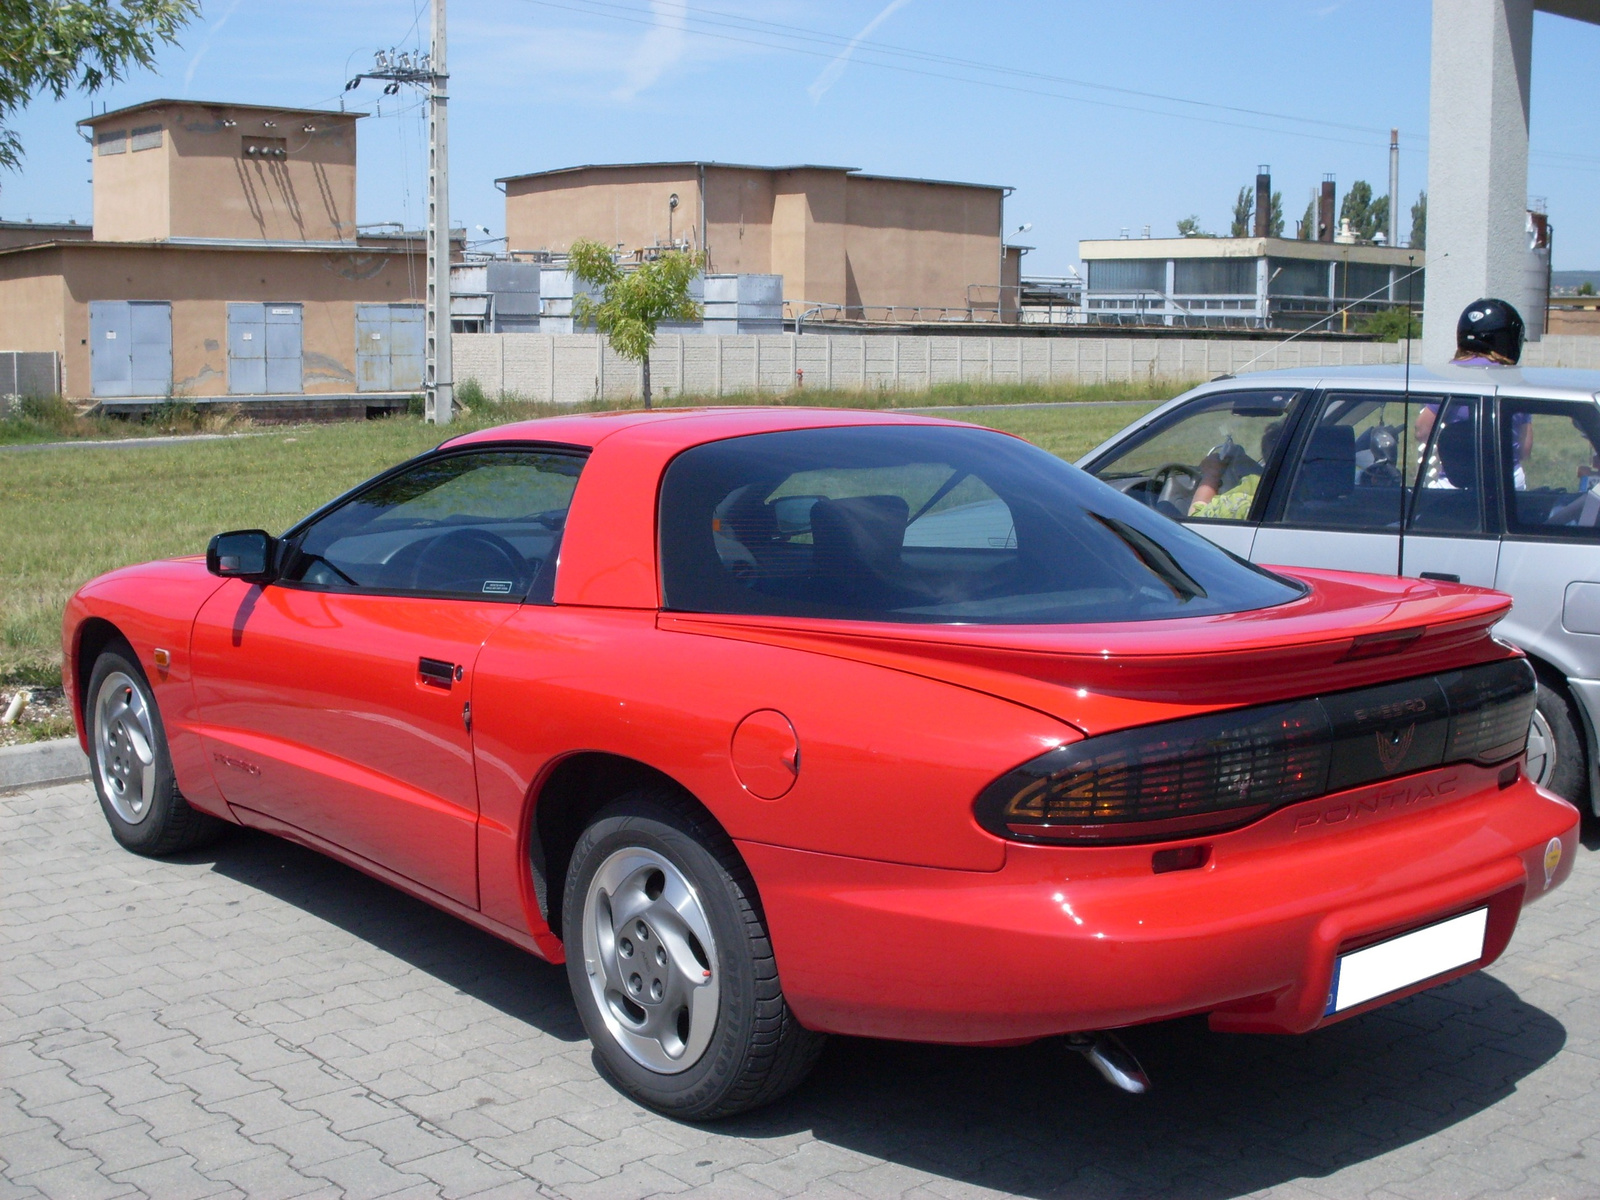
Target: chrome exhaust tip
1115 1062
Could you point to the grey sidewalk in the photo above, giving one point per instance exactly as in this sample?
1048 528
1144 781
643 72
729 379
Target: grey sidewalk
258 1021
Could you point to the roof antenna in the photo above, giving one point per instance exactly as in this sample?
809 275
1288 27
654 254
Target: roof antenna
1405 428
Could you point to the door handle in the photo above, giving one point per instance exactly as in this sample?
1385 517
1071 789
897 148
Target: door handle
438 672
1440 576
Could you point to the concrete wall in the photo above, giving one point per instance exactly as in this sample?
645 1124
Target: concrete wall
32 301
45 295
132 198
199 183
571 368
915 243
610 205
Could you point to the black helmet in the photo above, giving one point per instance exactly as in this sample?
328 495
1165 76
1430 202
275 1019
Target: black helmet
1490 326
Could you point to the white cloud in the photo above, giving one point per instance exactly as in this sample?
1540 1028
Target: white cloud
205 44
831 72
658 50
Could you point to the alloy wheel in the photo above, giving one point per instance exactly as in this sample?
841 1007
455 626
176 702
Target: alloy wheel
1542 754
651 960
124 741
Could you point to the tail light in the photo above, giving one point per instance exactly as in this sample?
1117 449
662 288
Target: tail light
1207 774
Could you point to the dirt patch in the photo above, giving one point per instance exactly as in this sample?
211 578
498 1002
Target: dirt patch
46 714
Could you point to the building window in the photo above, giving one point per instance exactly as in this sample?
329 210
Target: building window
1363 281
1128 275
146 137
1297 277
114 141
1214 276
252 146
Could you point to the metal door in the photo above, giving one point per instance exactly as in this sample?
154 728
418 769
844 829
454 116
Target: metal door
151 327
372 347
407 347
283 348
110 361
130 347
247 349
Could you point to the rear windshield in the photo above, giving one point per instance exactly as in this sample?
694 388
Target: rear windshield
929 524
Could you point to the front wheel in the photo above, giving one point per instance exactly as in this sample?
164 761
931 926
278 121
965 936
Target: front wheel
130 765
671 966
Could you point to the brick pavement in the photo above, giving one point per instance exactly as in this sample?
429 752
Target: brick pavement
259 1021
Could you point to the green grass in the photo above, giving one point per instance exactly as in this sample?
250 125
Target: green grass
68 514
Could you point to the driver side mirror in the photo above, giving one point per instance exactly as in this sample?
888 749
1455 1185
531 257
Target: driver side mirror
243 554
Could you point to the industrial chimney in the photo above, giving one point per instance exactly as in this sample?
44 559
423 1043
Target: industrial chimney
1394 187
1263 201
1325 211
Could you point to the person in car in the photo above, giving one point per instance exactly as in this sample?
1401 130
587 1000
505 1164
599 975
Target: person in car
1234 504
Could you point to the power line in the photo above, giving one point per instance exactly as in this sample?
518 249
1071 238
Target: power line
774 35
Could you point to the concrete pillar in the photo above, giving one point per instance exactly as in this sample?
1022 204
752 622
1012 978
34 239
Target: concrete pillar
1477 162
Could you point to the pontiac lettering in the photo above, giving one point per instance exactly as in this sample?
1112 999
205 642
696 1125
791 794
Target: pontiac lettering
1380 800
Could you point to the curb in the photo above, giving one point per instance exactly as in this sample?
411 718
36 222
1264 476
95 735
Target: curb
60 760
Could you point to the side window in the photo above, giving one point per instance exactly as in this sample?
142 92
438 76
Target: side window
486 525
1449 492
1207 460
1366 448
1549 468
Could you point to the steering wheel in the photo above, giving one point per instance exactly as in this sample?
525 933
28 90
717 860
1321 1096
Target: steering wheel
1164 473
465 560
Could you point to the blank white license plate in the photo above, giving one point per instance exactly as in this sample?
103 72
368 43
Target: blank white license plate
1410 958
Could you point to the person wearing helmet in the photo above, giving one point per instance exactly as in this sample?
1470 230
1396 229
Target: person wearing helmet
1489 333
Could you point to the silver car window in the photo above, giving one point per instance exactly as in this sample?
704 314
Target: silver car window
1550 468
1205 461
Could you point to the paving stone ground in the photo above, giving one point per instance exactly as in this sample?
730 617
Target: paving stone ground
258 1021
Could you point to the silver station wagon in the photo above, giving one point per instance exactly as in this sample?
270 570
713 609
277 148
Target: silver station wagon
1480 475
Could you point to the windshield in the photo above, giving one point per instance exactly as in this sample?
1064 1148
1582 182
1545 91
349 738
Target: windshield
929 524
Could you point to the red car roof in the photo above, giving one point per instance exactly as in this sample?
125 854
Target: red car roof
687 426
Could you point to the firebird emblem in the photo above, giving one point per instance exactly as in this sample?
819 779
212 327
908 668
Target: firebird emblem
1393 745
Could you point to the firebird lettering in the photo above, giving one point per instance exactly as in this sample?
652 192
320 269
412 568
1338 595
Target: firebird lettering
1387 712
1383 800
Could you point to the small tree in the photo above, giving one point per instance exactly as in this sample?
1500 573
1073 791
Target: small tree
57 46
633 303
1307 232
1419 222
1244 207
1190 227
1275 216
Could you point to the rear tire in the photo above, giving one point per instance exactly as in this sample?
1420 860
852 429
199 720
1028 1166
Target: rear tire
1556 758
670 963
130 765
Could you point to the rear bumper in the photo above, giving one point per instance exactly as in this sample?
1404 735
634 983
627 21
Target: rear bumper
1068 939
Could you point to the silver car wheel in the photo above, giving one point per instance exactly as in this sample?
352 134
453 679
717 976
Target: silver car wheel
1541 750
651 960
124 740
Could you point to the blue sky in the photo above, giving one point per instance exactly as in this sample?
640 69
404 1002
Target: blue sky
1101 115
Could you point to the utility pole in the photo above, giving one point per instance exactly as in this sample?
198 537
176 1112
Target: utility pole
440 405
428 70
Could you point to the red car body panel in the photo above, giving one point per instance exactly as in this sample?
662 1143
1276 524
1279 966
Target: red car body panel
892 912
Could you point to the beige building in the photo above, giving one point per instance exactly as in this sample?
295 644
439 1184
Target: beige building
867 245
224 261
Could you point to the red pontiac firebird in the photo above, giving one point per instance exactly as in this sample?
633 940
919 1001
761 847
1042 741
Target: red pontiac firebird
776 723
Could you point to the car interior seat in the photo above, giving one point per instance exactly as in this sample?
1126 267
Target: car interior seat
1327 474
856 544
1452 507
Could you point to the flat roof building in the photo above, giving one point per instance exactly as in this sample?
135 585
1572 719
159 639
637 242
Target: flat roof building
1254 282
224 261
873 247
